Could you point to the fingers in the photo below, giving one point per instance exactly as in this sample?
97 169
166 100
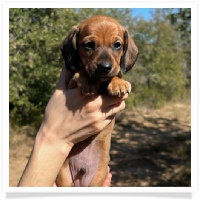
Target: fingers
65 77
112 100
107 181
54 185
61 80
114 109
104 105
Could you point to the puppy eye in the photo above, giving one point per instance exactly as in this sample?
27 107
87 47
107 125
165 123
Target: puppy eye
89 45
117 45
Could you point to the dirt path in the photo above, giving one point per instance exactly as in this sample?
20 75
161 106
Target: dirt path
152 147
149 148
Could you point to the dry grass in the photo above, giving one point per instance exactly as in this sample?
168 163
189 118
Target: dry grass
149 147
152 147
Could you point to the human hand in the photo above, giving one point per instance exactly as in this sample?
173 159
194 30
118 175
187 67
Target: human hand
72 117
107 181
69 118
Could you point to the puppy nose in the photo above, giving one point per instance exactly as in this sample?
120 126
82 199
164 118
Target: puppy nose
104 68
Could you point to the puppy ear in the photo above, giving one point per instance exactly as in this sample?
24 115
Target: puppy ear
130 53
69 50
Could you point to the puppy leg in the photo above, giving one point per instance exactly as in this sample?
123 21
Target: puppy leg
64 178
103 140
87 86
118 87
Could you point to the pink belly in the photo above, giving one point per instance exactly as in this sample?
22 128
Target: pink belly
83 162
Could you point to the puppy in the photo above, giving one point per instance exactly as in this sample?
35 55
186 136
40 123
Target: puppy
96 52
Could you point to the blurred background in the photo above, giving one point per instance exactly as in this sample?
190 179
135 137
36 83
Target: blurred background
151 141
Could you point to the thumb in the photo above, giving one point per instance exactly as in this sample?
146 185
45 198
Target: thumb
65 77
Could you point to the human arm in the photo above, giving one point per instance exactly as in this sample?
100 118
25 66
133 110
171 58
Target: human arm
69 118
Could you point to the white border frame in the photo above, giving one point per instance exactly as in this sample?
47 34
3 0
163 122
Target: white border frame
93 4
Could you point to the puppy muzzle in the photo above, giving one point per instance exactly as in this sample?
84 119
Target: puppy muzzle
103 68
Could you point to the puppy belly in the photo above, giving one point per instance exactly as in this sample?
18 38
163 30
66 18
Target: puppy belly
83 162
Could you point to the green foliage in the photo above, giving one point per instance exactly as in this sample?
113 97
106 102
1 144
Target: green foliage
159 74
181 22
36 61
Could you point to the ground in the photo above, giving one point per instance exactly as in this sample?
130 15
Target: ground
149 147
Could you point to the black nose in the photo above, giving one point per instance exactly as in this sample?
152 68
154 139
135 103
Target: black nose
104 68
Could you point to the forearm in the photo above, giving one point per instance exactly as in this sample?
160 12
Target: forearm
46 159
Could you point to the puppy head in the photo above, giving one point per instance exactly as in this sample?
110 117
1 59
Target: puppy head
101 46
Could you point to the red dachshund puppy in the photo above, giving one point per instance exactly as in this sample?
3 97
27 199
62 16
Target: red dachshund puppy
96 53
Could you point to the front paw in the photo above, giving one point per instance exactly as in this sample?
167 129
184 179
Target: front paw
88 89
86 85
118 87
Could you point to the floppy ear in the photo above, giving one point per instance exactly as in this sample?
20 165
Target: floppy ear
130 53
69 50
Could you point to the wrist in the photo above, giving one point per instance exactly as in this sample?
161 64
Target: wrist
48 139
46 160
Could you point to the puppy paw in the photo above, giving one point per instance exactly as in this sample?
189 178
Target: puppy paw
118 87
88 90
86 85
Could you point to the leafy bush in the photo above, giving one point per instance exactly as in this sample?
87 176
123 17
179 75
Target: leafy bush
35 59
